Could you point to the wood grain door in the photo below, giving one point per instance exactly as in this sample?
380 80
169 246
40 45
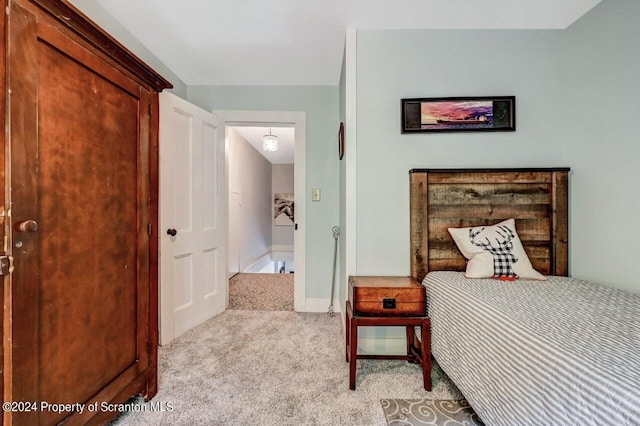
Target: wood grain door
80 214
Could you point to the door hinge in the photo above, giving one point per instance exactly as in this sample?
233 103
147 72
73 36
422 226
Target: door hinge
149 346
6 265
149 229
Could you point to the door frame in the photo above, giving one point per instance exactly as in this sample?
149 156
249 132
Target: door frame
297 120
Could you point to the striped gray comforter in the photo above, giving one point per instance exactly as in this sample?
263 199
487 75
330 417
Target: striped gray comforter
556 352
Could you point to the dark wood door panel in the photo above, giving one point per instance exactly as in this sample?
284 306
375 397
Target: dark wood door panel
87 185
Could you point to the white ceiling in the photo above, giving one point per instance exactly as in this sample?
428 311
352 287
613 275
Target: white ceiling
284 154
301 42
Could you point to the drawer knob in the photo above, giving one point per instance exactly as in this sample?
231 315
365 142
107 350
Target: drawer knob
388 303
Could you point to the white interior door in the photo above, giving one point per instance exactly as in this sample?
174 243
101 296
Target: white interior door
193 281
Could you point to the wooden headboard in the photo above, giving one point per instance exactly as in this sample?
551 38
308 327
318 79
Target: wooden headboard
444 198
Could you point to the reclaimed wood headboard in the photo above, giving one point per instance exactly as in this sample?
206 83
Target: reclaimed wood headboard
444 198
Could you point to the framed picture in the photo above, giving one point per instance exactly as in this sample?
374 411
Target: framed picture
283 209
460 114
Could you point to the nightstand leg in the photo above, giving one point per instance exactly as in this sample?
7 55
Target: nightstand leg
347 326
426 353
410 337
353 346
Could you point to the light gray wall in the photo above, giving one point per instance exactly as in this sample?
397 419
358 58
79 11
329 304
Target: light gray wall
321 106
577 105
282 183
601 109
408 64
101 17
577 102
250 173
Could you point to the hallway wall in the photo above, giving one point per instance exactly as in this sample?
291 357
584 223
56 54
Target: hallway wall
250 175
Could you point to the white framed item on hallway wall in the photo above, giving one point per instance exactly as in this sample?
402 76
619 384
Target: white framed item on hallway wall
283 209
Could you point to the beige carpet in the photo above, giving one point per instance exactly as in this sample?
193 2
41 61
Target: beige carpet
261 292
275 368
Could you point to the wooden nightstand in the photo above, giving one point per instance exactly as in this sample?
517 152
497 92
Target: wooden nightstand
390 301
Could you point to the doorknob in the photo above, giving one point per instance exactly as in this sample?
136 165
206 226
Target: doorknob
28 226
172 232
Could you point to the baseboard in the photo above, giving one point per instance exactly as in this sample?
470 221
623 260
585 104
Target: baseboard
258 263
278 253
321 305
282 253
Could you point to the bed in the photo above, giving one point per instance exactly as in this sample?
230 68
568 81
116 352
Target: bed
525 352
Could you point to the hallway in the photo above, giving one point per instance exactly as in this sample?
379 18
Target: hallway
261 292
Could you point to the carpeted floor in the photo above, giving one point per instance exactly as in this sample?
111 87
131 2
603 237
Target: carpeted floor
261 292
275 368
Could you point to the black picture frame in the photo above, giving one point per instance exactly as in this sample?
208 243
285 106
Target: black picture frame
459 114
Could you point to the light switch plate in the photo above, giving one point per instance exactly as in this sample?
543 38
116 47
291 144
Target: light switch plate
315 194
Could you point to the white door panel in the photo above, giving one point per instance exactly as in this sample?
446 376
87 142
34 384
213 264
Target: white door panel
192 178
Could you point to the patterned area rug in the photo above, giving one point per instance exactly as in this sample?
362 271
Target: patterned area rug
415 412
261 292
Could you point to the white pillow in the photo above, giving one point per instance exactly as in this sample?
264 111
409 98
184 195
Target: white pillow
494 251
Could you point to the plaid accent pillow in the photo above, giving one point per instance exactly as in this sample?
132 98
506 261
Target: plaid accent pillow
494 251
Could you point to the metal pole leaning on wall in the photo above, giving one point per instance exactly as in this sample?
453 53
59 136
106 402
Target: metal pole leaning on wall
336 234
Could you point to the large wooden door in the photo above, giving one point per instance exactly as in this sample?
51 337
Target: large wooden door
80 196
193 261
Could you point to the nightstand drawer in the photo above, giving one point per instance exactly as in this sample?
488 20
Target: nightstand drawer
382 296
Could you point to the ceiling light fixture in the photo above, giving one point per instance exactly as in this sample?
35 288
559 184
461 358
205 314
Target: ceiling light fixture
270 142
